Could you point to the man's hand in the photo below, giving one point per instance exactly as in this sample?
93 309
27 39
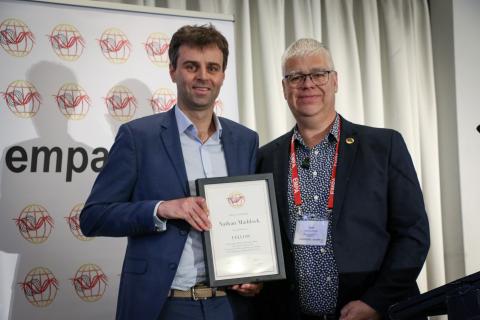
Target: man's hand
358 310
193 210
248 289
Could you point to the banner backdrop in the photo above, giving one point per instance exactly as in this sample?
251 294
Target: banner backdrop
70 75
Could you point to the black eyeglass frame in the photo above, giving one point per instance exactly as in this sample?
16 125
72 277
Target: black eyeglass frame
303 77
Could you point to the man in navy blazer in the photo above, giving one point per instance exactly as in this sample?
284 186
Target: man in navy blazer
146 190
354 228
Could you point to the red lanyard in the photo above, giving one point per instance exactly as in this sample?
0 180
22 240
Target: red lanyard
297 196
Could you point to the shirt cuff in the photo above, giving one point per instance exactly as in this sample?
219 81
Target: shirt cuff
160 224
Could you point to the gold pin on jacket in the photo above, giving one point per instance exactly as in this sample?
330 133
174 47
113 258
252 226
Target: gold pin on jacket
349 140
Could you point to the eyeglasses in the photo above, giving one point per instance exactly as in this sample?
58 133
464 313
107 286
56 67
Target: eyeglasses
319 78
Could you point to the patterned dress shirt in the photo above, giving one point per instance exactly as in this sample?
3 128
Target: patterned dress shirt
315 266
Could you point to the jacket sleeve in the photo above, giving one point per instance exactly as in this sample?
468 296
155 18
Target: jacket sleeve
408 229
109 210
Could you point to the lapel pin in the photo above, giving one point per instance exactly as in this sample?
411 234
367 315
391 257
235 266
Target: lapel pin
349 140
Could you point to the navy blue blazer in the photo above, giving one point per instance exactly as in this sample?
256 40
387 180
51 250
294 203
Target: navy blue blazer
380 227
145 165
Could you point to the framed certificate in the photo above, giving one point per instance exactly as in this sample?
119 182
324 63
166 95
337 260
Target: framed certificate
244 243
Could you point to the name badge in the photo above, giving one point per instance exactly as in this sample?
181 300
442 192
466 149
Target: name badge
311 232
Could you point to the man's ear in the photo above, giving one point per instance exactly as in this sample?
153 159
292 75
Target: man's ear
171 71
284 89
335 83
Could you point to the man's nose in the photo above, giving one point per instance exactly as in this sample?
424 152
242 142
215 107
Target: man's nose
308 82
202 73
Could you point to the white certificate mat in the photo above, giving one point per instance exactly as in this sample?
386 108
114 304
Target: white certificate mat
243 244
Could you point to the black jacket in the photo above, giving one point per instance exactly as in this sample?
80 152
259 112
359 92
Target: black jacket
380 227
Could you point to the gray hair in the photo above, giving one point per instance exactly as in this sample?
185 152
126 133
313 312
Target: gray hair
306 47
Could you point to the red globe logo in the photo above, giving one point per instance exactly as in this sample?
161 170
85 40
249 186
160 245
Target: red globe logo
22 98
157 48
67 42
40 287
35 223
163 100
73 221
16 38
121 103
115 45
72 101
236 199
218 107
90 282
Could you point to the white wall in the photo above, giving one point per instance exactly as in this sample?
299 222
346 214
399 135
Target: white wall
466 18
444 66
456 43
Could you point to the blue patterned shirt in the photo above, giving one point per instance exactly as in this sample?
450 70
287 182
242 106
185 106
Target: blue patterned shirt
315 266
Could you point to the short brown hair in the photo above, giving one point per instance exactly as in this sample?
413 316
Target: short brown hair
197 36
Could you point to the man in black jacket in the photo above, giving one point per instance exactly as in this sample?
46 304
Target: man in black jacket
354 226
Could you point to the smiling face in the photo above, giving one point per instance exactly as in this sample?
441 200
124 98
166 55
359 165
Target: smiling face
309 100
199 76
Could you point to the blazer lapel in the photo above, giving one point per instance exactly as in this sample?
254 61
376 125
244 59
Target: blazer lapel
346 157
230 149
281 170
171 141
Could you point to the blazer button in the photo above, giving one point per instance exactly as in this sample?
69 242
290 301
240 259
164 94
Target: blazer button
172 266
183 232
